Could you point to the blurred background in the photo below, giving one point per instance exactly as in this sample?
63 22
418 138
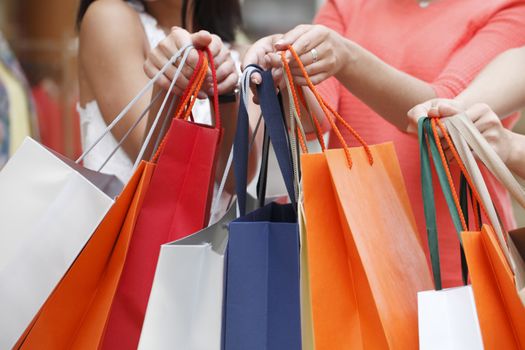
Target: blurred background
42 36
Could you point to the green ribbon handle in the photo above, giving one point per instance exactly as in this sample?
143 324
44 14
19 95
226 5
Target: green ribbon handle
426 136
428 202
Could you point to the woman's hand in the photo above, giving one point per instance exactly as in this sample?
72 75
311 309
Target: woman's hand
227 76
322 51
436 107
169 46
259 53
484 119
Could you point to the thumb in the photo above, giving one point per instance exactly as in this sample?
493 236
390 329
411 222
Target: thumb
443 110
201 39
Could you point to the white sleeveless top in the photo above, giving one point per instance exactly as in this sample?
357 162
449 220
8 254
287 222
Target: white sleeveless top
92 124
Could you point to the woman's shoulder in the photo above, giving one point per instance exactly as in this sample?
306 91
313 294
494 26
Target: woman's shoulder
110 18
111 25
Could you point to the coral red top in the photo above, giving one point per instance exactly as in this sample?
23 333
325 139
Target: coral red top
445 44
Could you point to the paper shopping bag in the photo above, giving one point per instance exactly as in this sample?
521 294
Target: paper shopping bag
185 306
448 320
176 205
387 262
376 241
75 314
501 313
262 300
334 308
48 213
495 264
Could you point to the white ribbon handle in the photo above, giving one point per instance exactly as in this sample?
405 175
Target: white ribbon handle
141 93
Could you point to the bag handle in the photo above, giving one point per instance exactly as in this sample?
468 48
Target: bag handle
192 89
245 87
273 117
140 94
428 146
461 145
327 109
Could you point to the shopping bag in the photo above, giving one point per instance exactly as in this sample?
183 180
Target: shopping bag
74 316
262 301
447 318
48 213
495 265
385 260
177 204
185 304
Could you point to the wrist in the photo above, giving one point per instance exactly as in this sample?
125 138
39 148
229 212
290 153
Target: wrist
348 56
516 153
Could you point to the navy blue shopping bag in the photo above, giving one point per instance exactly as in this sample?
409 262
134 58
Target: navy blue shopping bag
262 300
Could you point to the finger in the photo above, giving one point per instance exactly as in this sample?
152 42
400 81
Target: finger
223 56
216 45
485 123
151 70
291 37
225 70
256 53
256 79
323 51
228 85
477 111
315 80
201 39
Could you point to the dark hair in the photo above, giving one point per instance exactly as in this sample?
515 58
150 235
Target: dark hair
221 17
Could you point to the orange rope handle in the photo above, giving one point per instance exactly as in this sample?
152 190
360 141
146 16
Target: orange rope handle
189 89
197 87
352 131
317 125
323 107
449 176
295 102
182 102
461 165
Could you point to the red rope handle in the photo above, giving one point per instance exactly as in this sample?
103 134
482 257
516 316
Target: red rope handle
183 101
189 89
218 121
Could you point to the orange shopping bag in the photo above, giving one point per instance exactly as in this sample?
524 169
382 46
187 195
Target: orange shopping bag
500 311
365 258
75 314
496 267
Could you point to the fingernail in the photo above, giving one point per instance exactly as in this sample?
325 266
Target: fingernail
256 80
279 42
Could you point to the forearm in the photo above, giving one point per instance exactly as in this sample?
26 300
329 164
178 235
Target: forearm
516 159
388 91
500 85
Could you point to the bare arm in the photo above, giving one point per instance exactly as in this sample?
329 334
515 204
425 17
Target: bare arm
501 84
112 53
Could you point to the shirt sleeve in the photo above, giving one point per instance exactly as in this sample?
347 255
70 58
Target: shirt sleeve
330 16
503 29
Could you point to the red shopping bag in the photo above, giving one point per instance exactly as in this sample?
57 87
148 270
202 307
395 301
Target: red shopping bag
177 204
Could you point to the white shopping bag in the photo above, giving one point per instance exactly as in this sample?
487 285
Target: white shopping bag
48 211
185 304
448 320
